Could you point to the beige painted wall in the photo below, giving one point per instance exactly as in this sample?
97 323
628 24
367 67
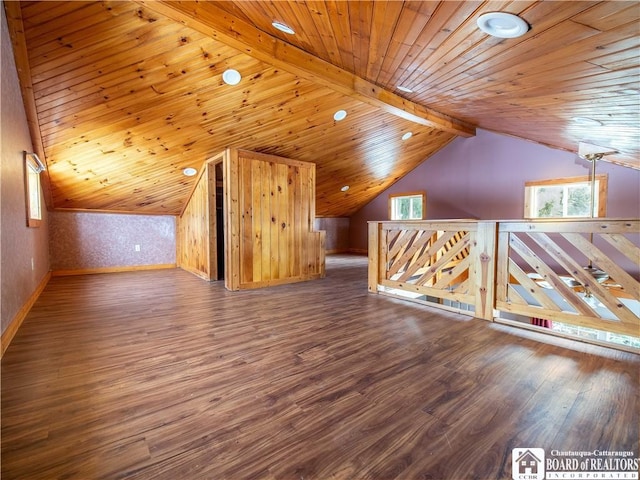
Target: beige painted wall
337 233
18 243
89 241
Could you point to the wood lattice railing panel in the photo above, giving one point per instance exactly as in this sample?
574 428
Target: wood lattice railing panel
542 274
418 257
533 269
434 259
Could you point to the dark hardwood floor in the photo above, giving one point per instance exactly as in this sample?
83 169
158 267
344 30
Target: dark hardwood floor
161 375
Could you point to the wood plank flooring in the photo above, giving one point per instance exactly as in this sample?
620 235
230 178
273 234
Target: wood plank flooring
161 375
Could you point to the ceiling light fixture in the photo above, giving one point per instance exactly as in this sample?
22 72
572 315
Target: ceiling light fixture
189 171
283 28
591 122
502 25
231 77
404 89
340 115
407 136
345 188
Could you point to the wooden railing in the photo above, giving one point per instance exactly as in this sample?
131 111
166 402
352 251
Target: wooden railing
533 269
450 260
541 273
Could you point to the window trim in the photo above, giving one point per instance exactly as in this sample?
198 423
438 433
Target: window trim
602 190
32 168
421 193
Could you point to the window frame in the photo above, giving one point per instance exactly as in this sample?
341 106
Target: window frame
394 196
33 193
601 192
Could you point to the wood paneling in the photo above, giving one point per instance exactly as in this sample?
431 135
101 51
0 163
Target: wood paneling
213 22
580 59
121 96
196 235
126 98
158 375
270 216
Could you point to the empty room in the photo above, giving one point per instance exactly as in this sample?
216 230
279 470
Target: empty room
320 240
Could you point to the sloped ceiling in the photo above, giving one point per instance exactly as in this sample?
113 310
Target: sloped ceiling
121 96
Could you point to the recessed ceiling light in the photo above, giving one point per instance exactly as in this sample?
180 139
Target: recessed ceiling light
502 25
407 136
340 115
231 77
283 28
189 171
591 122
345 188
404 89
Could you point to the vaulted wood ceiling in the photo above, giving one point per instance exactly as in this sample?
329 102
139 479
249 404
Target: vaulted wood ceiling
121 96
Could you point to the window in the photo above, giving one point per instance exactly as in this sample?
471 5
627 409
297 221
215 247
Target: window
408 206
565 198
33 190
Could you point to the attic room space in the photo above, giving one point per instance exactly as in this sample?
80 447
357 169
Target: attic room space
319 240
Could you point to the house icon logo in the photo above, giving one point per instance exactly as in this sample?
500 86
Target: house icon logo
527 464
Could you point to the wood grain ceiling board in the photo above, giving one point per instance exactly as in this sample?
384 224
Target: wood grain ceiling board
121 96
126 99
435 49
207 18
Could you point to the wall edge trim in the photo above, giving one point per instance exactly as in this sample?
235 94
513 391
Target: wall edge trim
12 329
126 268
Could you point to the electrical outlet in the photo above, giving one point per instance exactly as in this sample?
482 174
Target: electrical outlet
137 248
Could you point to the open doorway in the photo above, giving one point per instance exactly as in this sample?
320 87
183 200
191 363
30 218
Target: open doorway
219 227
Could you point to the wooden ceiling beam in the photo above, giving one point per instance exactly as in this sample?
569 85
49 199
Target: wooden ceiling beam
212 21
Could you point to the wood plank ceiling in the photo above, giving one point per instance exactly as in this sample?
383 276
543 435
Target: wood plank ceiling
121 96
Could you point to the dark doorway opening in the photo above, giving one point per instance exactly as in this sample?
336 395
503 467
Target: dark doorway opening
219 220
